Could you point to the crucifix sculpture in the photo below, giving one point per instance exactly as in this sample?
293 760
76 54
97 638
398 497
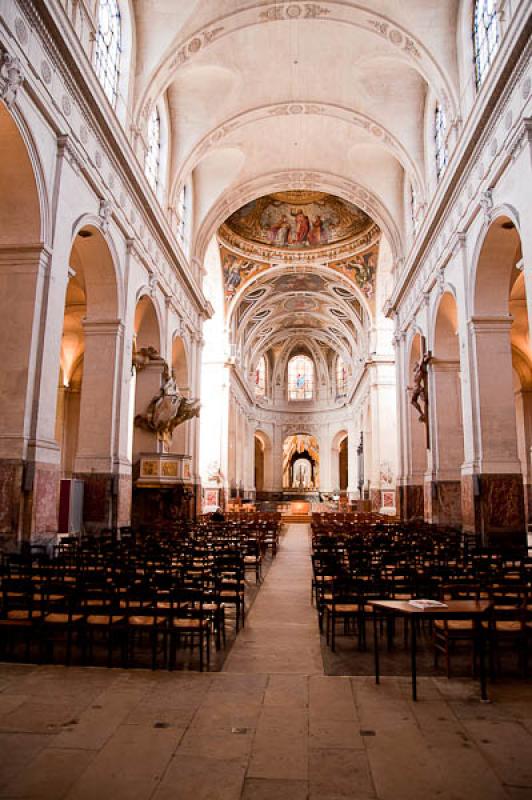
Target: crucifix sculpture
420 390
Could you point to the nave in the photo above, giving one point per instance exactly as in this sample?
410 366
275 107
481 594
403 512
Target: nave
270 726
256 253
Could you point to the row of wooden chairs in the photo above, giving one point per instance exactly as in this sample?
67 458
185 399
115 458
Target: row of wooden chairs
123 589
355 564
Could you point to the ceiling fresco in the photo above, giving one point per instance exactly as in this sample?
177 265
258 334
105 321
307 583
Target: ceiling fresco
300 304
361 269
298 220
237 270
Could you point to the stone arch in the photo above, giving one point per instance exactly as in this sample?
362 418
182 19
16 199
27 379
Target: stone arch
447 435
341 113
24 263
146 380
88 391
338 185
498 325
263 468
180 369
147 328
22 200
494 258
301 444
339 460
180 364
392 37
106 285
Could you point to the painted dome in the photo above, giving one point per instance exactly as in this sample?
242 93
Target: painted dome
297 220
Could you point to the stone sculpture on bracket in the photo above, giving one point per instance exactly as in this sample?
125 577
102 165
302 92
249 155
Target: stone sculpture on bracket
168 408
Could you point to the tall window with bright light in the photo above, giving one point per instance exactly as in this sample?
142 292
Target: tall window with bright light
300 378
108 47
341 377
486 37
260 378
440 139
153 153
182 214
414 209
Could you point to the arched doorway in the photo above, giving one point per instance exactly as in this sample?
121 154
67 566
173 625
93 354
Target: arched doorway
259 465
297 475
343 464
86 410
146 377
28 487
447 440
493 497
182 434
263 466
340 462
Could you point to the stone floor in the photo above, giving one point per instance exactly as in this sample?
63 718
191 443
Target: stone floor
270 726
281 633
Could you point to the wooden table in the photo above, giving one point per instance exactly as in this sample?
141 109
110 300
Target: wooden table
475 610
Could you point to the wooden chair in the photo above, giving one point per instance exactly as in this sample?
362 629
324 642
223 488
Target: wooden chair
448 633
506 625
61 619
343 606
103 617
188 622
143 619
19 614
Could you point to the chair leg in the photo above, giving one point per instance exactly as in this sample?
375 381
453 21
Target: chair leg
200 648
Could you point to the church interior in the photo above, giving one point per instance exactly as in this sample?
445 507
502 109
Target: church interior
265 399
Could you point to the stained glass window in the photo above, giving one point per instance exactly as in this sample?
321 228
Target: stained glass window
153 153
260 378
107 49
341 377
300 378
182 214
440 136
486 37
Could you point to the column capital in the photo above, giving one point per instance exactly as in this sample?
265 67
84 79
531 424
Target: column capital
491 323
102 327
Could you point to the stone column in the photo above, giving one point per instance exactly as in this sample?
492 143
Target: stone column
442 480
325 451
402 425
523 402
492 494
29 454
277 458
353 438
96 460
383 463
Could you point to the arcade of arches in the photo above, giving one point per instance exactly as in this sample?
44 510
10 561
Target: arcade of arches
227 278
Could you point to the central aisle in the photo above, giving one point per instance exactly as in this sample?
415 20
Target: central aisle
281 633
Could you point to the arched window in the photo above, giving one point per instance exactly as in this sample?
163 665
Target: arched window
300 378
260 378
440 136
153 153
107 49
341 377
182 208
414 209
486 37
